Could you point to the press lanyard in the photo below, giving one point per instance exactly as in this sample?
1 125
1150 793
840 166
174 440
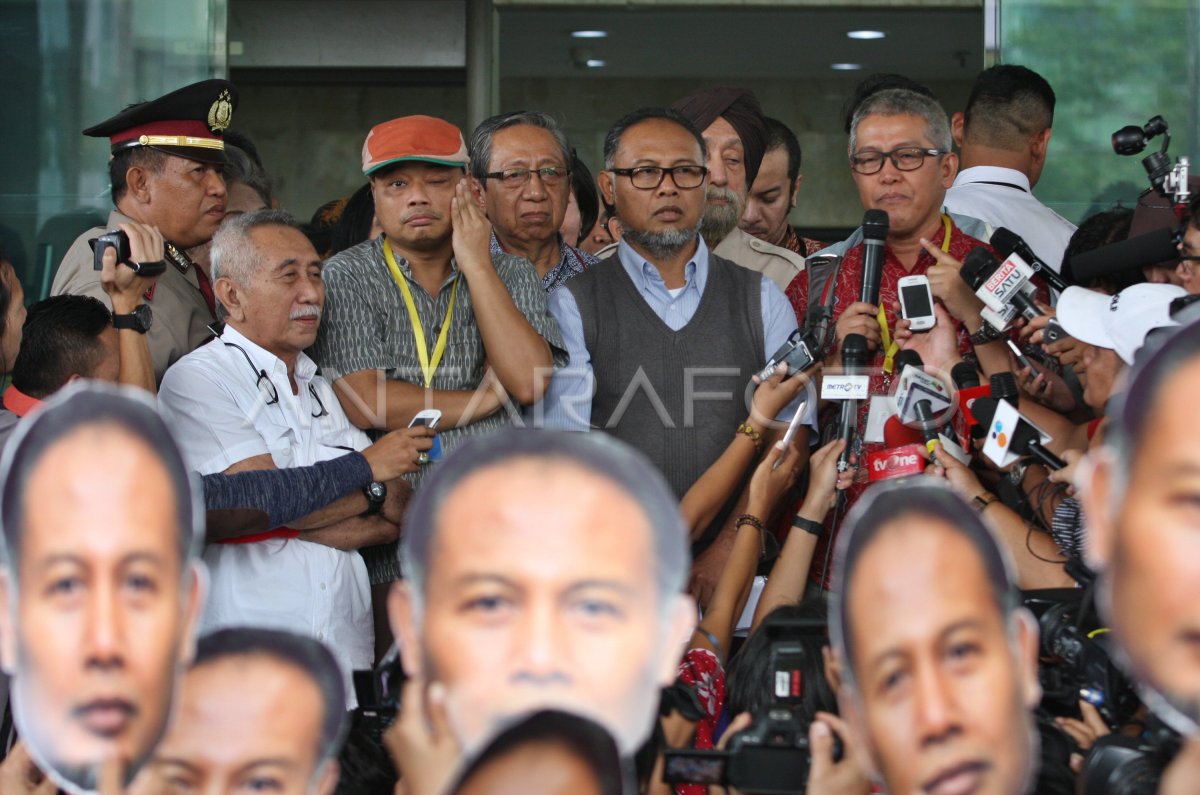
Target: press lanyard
428 368
890 345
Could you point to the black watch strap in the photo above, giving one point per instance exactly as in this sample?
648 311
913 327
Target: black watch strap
809 526
139 319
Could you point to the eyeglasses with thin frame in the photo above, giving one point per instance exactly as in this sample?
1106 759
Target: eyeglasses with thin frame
650 177
904 158
519 177
266 386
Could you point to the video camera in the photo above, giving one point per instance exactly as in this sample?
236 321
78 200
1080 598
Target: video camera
117 239
1075 660
1169 181
1118 764
378 694
771 757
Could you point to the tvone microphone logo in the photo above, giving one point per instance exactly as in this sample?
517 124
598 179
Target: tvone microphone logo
896 463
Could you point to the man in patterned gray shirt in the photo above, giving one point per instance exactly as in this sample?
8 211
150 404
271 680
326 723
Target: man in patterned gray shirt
424 316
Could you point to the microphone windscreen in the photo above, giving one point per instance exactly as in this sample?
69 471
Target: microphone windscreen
1136 252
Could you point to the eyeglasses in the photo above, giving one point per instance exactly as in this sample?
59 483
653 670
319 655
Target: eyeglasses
650 177
267 387
519 177
906 158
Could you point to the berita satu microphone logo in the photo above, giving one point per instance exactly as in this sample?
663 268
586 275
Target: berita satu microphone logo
221 113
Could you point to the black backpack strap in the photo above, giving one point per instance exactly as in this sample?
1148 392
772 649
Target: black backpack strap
822 282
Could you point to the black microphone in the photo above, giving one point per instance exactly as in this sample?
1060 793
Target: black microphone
875 231
1136 252
854 356
965 376
1004 387
906 358
924 411
1026 441
1006 243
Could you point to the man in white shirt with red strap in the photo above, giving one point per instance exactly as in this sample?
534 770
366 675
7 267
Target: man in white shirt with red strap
251 399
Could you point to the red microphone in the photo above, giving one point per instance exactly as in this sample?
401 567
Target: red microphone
897 434
897 462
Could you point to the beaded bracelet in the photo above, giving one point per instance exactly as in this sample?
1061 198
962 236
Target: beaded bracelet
757 524
754 435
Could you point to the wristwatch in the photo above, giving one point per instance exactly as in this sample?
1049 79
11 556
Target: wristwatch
140 319
376 493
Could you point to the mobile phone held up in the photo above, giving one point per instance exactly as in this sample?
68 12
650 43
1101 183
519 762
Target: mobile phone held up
429 418
916 302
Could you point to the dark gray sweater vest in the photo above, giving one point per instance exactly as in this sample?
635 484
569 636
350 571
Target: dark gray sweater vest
677 396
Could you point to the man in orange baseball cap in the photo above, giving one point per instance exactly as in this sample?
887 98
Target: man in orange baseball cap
414 318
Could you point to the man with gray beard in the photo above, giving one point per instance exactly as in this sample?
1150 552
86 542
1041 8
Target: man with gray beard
735 133
665 336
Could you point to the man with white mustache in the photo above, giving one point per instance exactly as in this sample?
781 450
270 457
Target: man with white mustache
735 133
251 399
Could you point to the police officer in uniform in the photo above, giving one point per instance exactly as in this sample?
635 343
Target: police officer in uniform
165 168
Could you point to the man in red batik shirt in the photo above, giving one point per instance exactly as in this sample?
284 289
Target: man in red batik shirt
902 163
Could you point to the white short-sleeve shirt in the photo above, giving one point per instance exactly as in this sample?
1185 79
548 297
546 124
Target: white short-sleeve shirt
221 412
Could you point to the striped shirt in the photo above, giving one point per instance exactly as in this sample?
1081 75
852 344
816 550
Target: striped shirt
366 326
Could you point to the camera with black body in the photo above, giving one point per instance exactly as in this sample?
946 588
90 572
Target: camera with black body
1121 765
796 353
771 757
1169 181
378 693
1075 656
117 239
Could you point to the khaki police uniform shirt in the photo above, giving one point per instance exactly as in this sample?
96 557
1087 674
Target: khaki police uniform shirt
777 264
181 316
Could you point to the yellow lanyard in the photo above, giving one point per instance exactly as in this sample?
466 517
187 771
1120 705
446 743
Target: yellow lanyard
427 367
889 345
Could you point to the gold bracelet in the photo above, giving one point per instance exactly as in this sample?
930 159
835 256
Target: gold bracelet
754 435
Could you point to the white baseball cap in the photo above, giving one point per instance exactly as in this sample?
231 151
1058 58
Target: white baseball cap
1119 322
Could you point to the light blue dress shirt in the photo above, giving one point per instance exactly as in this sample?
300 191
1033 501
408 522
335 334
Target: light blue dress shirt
567 404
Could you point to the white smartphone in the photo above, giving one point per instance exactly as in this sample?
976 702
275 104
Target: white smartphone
916 302
428 418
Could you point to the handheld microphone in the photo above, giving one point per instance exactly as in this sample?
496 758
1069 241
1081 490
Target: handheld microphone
966 380
924 411
965 376
1000 285
875 231
897 434
1007 243
1004 387
854 356
1026 438
1136 252
907 358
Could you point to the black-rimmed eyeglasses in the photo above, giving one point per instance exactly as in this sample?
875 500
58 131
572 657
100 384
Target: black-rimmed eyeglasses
519 177
650 177
266 386
905 158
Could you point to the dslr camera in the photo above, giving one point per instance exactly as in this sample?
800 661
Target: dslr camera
120 241
771 757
